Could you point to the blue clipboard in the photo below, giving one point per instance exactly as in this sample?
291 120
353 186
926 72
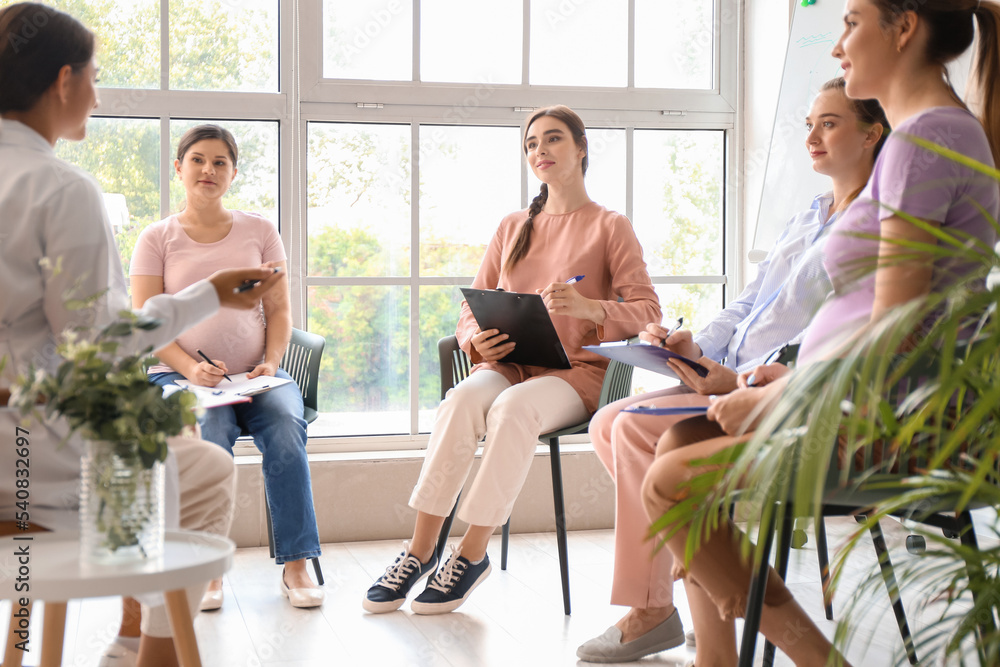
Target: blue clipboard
678 410
643 355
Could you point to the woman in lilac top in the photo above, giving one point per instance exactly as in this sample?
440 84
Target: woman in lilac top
894 51
177 251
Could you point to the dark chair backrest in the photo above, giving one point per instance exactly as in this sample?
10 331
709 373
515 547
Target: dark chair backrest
455 364
301 361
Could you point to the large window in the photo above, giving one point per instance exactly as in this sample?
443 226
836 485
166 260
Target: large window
383 137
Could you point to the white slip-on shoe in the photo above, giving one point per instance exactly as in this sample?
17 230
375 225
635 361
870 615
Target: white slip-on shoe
120 653
302 598
211 601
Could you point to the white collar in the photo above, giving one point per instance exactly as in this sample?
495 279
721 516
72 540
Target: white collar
17 133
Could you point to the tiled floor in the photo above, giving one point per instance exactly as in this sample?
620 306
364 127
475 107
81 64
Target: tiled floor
514 618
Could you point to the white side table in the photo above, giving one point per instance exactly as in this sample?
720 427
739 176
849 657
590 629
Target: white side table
57 576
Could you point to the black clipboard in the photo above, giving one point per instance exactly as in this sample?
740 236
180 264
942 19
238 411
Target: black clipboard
525 319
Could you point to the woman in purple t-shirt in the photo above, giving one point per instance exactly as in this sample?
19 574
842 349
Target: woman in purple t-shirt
177 251
894 51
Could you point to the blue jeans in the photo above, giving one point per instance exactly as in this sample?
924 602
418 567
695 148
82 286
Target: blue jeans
274 419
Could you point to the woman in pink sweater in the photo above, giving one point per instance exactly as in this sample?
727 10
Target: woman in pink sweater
561 235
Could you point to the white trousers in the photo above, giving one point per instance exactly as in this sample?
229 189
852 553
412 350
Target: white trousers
510 417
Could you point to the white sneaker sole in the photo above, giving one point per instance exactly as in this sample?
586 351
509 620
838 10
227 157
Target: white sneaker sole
390 605
427 608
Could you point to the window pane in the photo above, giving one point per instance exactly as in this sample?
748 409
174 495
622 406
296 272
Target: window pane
579 43
677 203
359 200
364 381
368 39
255 188
456 45
224 45
128 38
124 155
457 214
439 309
605 169
698 305
674 43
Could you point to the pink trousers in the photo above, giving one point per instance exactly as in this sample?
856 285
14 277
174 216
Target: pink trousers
626 445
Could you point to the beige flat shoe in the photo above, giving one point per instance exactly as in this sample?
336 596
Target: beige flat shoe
211 601
302 598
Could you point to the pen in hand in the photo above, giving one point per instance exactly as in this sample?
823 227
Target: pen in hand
671 332
203 356
250 285
575 279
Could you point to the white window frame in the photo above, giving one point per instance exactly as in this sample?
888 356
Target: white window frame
305 96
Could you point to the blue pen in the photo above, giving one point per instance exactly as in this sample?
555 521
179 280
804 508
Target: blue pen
575 279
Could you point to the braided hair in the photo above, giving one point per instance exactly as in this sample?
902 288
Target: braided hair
576 127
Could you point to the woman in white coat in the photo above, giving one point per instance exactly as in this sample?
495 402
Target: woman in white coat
53 211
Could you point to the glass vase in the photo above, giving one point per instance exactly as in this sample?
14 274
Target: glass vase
121 505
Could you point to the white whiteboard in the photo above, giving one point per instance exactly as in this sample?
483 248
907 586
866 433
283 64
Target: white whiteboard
789 180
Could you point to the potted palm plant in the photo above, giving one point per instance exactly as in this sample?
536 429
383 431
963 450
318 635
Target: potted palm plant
911 426
106 399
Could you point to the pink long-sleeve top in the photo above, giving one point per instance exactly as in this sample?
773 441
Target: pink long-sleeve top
592 241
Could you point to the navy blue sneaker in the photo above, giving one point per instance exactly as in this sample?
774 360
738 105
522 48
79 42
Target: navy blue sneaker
389 592
452 585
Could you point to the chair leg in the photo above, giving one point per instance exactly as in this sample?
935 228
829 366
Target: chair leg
504 542
446 529
557 500
319 571
967 534
755 601
785 538
823 555
889 576
270 528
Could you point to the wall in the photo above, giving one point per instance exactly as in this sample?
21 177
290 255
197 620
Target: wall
364 496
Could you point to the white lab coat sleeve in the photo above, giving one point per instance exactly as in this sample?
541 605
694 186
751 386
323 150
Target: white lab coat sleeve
83 261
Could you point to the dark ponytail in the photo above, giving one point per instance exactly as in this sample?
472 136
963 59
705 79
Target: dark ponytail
36 42
988 73
579 132
951 34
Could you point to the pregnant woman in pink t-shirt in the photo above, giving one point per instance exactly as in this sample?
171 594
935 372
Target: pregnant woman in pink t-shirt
181 249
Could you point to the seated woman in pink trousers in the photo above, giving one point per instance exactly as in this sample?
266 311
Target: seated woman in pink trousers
843 138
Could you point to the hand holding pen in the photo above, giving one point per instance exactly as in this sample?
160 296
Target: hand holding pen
763 375
672 331
564 299
211 363
250 284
